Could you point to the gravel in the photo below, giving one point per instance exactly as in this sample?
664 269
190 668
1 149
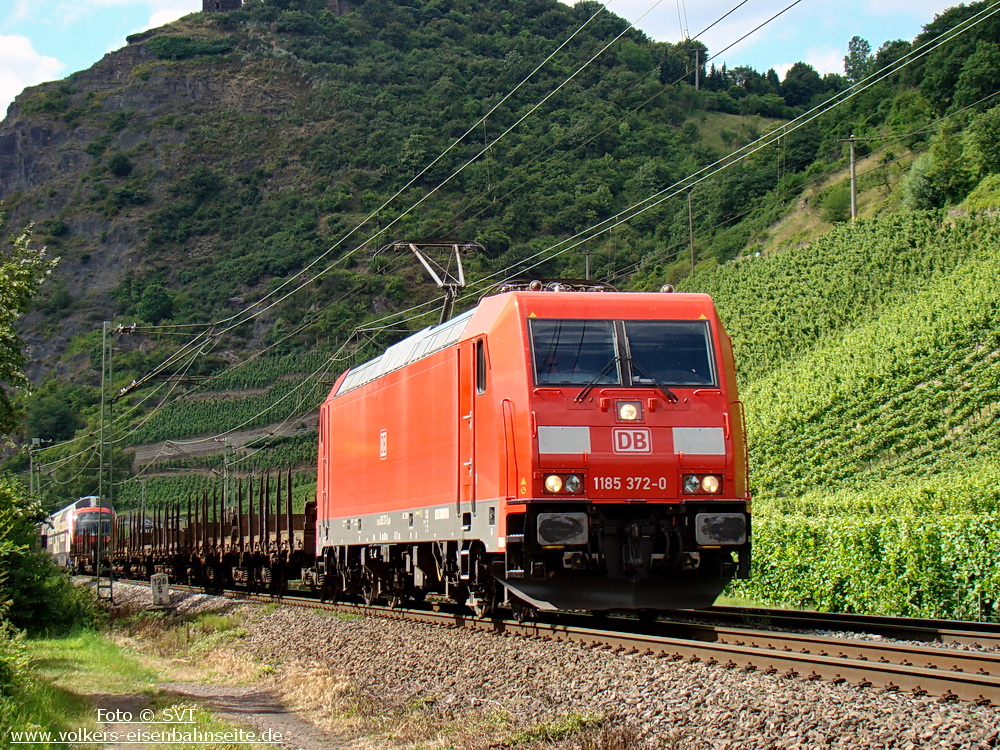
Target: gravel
393 666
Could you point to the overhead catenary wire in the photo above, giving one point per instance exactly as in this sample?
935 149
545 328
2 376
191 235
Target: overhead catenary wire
639 79
741 154
236 319
412 180
239 319
889 138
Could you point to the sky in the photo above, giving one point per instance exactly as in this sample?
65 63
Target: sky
45 40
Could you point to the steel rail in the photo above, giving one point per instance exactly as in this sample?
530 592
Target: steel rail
978 634
844 648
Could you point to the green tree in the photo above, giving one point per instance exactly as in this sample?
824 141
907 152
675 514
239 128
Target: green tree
889 52
984 134
156 304
980 75
836 203
801 84
859 62
773 81
52 418
941 176
22 270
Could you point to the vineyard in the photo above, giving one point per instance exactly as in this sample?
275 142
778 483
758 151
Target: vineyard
272 389
870 363
263 392
162 489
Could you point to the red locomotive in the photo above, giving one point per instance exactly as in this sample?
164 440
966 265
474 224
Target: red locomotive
565 449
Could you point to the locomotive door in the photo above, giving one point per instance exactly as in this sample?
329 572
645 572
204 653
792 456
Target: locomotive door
467 425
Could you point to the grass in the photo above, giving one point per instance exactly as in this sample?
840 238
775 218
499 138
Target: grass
55 691
805 224
560 729
87 663
342 616
70 676
208 639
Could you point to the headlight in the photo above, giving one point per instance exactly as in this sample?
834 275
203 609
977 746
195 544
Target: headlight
629 411
553 483
573 483
710 484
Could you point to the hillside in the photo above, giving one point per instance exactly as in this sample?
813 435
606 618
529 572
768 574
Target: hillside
208 162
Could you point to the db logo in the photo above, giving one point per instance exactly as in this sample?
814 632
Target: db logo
632 440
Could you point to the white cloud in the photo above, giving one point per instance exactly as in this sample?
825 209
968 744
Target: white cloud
826 60
21 66
21 10
165 11
822 60
925 9
160 11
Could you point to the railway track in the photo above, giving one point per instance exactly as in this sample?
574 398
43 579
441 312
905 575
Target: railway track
950 674
980 635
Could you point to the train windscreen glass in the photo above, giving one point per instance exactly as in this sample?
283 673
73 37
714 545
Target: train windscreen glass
574 352
670 352
88 524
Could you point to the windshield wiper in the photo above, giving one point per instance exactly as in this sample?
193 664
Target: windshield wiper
594 380
637 368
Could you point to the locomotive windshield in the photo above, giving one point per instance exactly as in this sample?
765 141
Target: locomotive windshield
624 352
575 352
89 524
670 352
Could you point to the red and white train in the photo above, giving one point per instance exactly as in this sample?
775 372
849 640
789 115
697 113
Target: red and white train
552 447
75 534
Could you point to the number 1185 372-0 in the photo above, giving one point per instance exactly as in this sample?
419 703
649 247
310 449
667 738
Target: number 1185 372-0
630 483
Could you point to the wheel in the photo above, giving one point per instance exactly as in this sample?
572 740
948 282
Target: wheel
369 589
482 603
522 612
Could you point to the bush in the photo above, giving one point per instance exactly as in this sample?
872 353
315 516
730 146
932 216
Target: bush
42 598
171 47
836 203
915 566
120 165
14 660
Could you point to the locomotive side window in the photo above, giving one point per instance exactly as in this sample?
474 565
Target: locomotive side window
574 352
670 352
480 366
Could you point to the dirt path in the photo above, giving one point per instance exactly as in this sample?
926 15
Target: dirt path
247 707
126 709
259 709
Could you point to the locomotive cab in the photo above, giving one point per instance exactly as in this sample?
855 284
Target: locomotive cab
637 497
